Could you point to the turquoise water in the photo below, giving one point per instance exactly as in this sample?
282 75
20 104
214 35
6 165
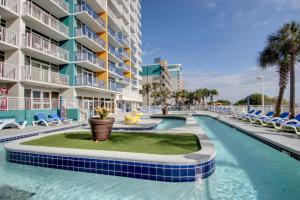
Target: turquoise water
246 169
170 123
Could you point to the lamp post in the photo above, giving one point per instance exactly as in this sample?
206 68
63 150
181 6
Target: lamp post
261 78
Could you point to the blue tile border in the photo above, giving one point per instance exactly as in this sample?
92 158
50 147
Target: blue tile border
30 134
130 169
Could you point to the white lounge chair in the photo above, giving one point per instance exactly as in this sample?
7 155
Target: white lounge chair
11 123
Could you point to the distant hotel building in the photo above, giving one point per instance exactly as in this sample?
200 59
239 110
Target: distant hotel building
69 54
168 76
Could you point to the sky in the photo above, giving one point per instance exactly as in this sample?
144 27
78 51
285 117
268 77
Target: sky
217 41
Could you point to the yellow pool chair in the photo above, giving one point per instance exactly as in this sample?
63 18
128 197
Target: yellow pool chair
130 119
139 114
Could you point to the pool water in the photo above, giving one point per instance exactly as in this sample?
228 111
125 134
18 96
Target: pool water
246 169
170 123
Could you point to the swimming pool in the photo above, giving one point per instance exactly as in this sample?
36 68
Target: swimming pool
170 123
246 169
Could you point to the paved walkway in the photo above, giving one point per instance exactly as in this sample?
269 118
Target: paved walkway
285 140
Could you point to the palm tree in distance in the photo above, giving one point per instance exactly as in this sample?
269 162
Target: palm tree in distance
272 56
146 90
212 93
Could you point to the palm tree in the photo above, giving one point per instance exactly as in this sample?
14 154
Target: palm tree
146 90
155 86
272 56
198 95
289 38
176 95
205 94
212 93
155 95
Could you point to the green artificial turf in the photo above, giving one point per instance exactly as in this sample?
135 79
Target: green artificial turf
165 144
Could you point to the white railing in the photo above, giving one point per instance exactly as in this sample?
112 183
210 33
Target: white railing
63 4
84 31
89 57
8 71
10 4
90 12
44 46
83 80
114 17
37 13
17 103
45 76
8 36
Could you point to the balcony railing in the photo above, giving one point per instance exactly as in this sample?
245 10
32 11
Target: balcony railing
124 66
44 76
127 79
44 46
125 41
11 5
114 17
114 35
134 82
83 80
89 57
113 86
63 4
8 71
133 71
86 8
113 51
115 70
8 36
17 103
84 31
37 13
126 54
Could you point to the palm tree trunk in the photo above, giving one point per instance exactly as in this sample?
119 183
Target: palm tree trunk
147 99
292 87
279 101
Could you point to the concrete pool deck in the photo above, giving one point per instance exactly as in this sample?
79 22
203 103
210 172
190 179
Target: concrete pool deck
286 142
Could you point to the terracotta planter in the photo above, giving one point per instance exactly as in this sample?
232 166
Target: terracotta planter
101 128
164 111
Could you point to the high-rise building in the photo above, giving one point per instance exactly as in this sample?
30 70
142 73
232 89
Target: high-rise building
168 76
177 76
69 55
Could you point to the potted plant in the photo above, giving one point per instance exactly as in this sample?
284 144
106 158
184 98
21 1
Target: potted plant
101 126
165 95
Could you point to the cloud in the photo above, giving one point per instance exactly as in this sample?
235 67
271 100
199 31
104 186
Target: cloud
234 86
210 4
262 23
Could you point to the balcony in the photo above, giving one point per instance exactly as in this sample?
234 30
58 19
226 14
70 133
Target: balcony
39 20
115 72
33 76
114 86
89 39
44 50
90 83
114 38
9 9
89 17
98 5
89 61
124 67
113 55
125 55
59 8
126 43
8 39
116 7
114 21
134 83
8 72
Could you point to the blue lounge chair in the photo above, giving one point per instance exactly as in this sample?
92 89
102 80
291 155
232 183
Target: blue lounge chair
259 120
245 115
253 116
43 120
292 125
55 117
276 121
